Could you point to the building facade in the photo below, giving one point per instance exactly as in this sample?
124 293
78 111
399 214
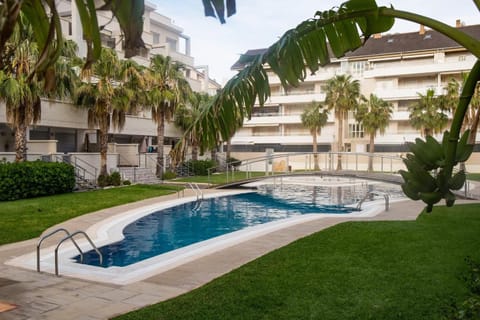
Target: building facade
395 67
63 127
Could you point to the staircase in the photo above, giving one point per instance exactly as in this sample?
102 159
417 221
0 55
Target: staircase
139 175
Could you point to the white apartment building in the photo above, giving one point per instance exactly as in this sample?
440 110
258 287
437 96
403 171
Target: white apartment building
63 127
395 67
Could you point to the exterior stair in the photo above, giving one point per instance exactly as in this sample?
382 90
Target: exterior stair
139 175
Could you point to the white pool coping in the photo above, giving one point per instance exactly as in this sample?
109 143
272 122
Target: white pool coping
110 230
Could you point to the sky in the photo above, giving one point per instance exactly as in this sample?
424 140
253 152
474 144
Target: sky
259 23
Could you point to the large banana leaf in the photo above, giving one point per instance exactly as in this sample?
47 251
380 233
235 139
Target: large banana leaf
216 8
308 47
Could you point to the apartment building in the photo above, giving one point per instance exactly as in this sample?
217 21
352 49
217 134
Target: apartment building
395 67
64 128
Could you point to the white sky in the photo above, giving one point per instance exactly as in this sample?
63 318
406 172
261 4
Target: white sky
259 23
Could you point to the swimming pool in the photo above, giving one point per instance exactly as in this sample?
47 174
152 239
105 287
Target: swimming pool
188 223
192 222
107 227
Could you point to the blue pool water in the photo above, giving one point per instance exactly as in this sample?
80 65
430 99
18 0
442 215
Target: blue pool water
189 223
193 222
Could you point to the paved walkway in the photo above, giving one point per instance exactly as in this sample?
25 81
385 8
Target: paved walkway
45 296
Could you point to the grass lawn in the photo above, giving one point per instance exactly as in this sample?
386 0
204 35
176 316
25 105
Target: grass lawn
220 178
355 270
473 176
26 219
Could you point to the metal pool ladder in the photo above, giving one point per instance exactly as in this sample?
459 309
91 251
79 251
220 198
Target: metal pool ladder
372 193
69 236
197 190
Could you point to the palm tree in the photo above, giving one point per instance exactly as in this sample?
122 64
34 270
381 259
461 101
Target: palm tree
185 117
314 118
374 116
428 114
167 88
106 98
20 93
472 115
342 94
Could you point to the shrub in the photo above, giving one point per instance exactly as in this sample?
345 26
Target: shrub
169 175
126 182
234 162
103 180
200 167
34 179
115 179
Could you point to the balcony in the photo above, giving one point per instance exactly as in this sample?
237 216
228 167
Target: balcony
424 69
296 97
404 93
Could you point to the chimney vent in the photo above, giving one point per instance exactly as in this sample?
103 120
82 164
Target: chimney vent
422 29
459 23
377 36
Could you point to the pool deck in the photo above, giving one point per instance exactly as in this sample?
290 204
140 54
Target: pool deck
45 296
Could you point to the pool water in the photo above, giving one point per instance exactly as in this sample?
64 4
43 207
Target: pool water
192 222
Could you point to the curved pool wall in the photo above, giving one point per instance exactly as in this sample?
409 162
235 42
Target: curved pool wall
110 230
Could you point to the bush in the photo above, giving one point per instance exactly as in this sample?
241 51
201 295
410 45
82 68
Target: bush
34 179
169 175
126 182
103 180
234 162
200 167
115 179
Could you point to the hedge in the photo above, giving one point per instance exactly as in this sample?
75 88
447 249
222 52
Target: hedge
34 179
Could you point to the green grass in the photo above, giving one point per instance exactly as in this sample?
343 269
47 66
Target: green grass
220 178
26 219
473 176
355 270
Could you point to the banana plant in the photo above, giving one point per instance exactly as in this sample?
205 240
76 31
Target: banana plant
305 48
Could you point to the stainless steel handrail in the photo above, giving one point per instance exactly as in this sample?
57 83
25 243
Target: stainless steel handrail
71 237
373 193
196 189
49 235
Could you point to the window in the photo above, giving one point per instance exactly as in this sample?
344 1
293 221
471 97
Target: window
355 130
462 58
155 38
172 44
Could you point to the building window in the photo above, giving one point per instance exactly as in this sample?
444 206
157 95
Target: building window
107 41
358 67
172 44
155 38
462 58
355 130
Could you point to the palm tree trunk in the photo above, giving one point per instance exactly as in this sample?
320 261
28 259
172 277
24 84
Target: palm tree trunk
372 151
228 148
213 155
194 152
473 129
160 137
21 143
340 142
315 151
103 138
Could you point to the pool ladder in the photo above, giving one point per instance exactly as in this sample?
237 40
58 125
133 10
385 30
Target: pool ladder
373 193
69 236
197 190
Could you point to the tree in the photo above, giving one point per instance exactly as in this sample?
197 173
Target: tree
314 118
186 115
307 47
167 88
342 94
428 114
374 116
107 99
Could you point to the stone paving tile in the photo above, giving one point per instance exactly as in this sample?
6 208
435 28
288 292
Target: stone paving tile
116 295
142 299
